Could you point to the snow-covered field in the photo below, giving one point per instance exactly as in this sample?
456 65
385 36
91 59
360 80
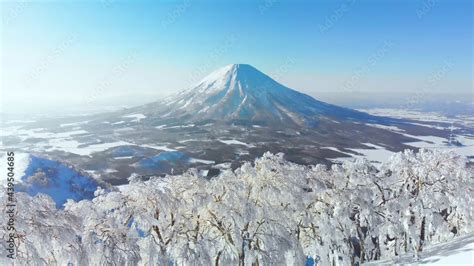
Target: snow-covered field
458 252
235 142
136 117
378 153
71 139
420 116
68 141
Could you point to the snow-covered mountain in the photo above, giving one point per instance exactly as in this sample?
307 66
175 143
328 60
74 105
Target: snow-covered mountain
233 115
240 92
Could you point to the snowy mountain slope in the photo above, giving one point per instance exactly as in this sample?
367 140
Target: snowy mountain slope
35 175
61 182
459 251
240 92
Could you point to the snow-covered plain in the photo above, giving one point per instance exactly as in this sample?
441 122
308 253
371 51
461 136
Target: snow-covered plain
136 117
376 154
380 153
194 160
235 142
157 147
420 116
67 141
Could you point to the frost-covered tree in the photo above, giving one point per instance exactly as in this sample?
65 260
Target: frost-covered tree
44 235
271 212
427 199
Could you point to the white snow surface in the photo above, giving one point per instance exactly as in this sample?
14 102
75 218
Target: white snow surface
420 116
459 251
73 124
157 147
235 142
21 162
195 160
377 154
216 80
136 117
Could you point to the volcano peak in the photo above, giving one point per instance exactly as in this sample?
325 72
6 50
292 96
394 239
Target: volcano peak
232 71
242 92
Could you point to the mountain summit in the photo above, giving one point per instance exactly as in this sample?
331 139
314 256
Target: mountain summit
240 92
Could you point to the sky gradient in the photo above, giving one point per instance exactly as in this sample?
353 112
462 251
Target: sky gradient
89 53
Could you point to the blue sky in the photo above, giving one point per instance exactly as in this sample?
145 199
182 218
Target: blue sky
108 50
